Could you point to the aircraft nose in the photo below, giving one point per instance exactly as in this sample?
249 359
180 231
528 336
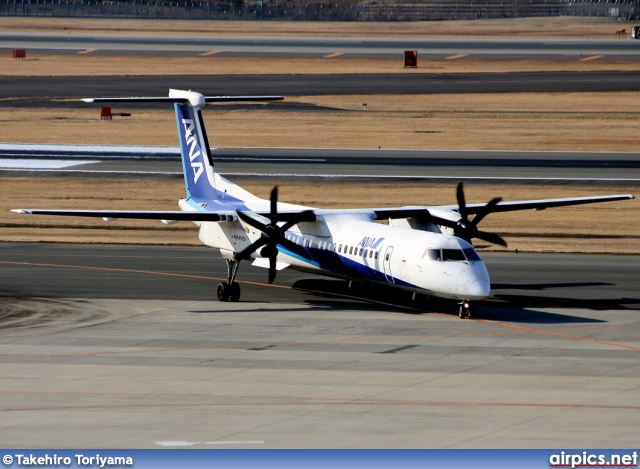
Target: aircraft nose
479 289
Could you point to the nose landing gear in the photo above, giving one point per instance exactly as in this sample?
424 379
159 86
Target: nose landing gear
465 310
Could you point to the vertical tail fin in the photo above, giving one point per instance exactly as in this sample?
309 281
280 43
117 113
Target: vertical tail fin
197 163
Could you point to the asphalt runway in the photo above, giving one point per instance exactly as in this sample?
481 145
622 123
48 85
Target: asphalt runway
65 92
124 346
335 165
382 48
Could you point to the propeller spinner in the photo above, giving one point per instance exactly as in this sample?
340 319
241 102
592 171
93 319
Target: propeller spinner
272 233
468 229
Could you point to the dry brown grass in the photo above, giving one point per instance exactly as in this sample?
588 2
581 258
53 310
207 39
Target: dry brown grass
518 121
595 228
87 65
558 27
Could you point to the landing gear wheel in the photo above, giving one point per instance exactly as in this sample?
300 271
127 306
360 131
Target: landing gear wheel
234 295
224 292
465 310
229 292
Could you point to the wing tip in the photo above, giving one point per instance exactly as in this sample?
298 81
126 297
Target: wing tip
21 211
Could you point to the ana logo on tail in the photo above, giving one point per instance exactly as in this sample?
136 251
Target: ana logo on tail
194 151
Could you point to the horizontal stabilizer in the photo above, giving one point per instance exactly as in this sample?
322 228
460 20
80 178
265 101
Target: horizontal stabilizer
183 100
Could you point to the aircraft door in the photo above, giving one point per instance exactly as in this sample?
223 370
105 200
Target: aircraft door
404 264
386 264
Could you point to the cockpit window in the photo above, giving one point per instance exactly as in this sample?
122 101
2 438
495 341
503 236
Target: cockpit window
452 255
472 255
433 254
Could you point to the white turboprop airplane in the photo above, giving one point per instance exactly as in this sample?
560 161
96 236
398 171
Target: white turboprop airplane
423 249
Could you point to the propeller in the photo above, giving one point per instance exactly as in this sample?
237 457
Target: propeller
272 233
468 229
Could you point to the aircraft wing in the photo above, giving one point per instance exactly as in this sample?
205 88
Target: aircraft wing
418 212
172 215
378 213
177 215
547 203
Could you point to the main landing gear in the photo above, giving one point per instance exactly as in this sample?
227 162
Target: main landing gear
230 290
465 310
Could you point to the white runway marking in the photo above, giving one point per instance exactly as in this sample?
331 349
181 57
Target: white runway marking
89 148
418 176
40 164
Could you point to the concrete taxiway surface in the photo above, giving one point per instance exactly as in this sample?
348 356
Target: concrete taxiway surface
122 346
260 47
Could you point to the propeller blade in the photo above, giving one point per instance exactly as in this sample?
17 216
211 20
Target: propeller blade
249 220
272 233
491 238
307 215
246 252
462 205
272 268
486 210
274 204
293 247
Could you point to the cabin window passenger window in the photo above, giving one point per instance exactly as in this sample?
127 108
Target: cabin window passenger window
370 254
350 249
377 254
340 248
360 253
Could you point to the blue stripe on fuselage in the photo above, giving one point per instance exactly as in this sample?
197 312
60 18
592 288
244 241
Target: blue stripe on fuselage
336 263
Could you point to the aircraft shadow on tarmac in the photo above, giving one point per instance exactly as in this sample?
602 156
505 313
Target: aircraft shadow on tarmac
521 308
331 303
